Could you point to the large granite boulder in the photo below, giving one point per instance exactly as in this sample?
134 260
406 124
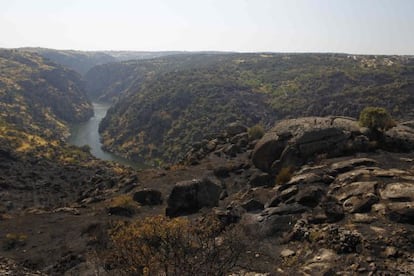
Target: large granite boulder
400 138
189 196
292 142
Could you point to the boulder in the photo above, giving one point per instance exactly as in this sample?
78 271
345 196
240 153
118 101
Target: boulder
240 137
285 209
252 205
353 176
259 179
343 192
398 192
297 140
148 197
360 204
310 195
402 212
351 164
285 194
305 178
268 149
189 196
400 138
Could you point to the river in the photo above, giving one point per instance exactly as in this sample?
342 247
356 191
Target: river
87 134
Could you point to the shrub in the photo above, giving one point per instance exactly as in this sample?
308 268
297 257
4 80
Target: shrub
162 246
13 240
123 205
376 118
256 132
284 175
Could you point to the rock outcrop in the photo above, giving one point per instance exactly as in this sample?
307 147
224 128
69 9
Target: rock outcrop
291 143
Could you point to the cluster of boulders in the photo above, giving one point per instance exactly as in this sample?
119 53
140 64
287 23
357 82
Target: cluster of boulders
327 191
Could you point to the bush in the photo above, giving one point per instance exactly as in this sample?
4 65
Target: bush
284 175
376 118
13 240
163 246
256 132
123 205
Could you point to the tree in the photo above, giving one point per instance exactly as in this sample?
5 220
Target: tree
376 118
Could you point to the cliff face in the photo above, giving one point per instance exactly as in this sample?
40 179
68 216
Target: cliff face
39 96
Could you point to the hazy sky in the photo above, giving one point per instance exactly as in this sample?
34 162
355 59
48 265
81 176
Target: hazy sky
352 26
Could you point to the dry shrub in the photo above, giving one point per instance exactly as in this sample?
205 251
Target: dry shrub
14 240
256 132
123 204
177 167
162 246
123 201
284 175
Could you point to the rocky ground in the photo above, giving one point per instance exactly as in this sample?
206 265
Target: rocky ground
314 196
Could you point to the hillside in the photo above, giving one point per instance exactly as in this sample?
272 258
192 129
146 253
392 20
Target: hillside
79 61
38 96
107 81
170 103
83 61
41 177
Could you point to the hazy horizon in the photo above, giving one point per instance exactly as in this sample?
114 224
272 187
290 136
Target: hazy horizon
375 27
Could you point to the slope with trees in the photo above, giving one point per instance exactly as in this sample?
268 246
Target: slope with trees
170 103
38 96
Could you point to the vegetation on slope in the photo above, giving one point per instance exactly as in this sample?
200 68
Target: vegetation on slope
38 100
170 103
83 61
38 96
107 81
80 61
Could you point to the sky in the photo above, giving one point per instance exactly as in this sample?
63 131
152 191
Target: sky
345 26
